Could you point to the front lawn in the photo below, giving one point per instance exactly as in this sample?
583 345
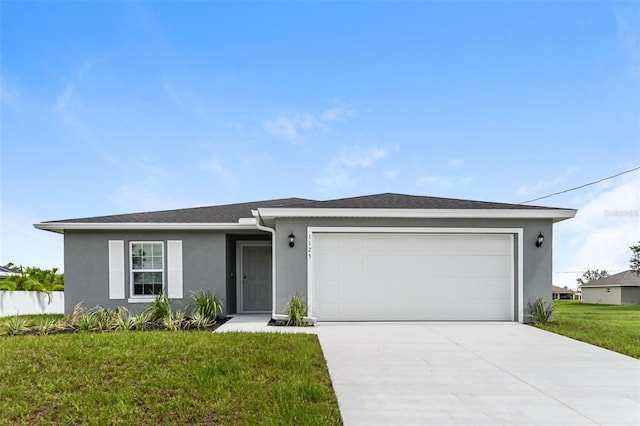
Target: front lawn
161 377
614 327
34 318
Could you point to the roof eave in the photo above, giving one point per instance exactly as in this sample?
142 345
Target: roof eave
555 214
59 227
609 285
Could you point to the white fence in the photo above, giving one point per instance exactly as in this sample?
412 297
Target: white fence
31 302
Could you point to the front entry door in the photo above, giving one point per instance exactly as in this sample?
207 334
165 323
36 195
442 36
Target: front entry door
256 278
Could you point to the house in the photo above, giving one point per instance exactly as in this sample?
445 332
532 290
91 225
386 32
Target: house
617 289
375 257
560 293
6 272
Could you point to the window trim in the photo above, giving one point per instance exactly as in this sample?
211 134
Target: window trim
133 298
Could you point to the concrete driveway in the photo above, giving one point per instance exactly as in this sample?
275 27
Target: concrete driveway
475 374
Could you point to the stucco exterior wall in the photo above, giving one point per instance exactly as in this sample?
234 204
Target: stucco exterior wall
209 258
630 296
291 263
617 295
599 295
87 271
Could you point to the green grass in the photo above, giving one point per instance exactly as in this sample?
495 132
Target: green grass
35 318
614 327
165 377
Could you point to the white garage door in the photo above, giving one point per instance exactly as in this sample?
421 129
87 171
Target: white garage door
389 276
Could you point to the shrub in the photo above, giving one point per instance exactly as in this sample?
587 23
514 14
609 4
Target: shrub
96 319
174 322
15 325
207 304
296 310
200 321
540 311
86 322
141 321
105 319
47 326
160 309
124 320
78 311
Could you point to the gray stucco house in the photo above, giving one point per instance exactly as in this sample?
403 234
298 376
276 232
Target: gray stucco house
618 289
376 257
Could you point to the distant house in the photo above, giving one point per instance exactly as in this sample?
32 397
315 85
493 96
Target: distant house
559 293
6 272
618 289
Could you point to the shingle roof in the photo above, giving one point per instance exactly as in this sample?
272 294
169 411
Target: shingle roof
401 201
228 213
561 290
231 213
626 278
7 271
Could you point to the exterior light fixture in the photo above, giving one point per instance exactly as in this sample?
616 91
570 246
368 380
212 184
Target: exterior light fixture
539 240
292 239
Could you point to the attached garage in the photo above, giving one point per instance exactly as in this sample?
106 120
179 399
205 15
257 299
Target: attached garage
413 275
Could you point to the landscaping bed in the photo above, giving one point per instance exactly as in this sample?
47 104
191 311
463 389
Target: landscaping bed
205 308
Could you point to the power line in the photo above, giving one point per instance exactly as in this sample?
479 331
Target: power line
582 186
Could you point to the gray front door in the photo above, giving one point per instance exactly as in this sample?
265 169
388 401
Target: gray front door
256 278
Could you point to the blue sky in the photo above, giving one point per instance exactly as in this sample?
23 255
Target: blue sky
113 107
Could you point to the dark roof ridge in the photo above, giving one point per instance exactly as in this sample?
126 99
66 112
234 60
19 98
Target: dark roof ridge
163 215
232 213
390 200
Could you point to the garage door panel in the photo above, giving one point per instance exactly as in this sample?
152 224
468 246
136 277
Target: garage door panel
350 290
412 276
350 244
376 264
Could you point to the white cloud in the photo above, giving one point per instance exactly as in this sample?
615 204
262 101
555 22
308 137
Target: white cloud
84 68
438 181
216 166
528 189
292 126
64 98
600 234
8 96
337 114
361 156
455 164
185 99
295 126
348 160
628 35
390 173
334 181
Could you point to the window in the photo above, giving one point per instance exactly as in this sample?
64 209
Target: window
147 268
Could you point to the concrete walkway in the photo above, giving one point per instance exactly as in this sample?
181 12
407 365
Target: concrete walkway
252 323
475 374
